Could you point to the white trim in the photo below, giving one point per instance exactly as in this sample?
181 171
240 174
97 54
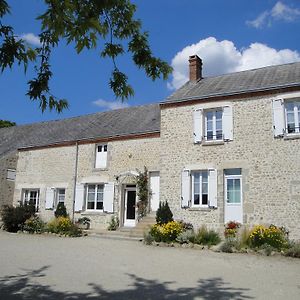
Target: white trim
95 197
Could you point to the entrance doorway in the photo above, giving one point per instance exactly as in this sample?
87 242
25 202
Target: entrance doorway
130 206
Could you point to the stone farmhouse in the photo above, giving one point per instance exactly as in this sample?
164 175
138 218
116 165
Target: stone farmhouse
218 149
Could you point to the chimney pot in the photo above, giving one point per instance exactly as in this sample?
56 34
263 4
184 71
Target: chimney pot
195 64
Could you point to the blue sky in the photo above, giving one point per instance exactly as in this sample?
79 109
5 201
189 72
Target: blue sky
229 36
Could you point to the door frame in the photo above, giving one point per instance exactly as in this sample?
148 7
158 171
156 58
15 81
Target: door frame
129 222
228 205
154 173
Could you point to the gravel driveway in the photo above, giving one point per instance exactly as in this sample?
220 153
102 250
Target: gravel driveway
49 267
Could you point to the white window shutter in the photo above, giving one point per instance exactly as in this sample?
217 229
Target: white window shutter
227 123
185 188
49 198
108 198
79 197
278 117
212 188
198 125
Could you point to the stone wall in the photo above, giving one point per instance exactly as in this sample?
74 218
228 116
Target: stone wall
55 167
8 161
270 167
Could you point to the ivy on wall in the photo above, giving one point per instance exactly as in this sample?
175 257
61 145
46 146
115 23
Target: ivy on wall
143 193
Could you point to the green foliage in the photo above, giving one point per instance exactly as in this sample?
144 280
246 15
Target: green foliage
84 221
167 232
271 235
293 250
34 225
113 224
267 249
231 229
63 226
207 237
90 24
61 210
228 245
143 192
186 237
164 214
14 218
5 123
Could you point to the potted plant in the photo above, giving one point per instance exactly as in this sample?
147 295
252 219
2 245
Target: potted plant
84 223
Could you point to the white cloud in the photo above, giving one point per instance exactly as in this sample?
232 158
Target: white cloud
221 57
31 39
280 12
110 105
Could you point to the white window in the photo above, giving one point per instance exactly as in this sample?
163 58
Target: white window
292 116
94 197
60 196
101 156
213 125
200 188
11 174
31 197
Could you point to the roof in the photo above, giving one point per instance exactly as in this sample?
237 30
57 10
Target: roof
267 78
116 123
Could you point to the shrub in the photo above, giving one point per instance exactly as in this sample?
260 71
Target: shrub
228 245
244 238
14 218
186 237
166 232
207 237
34 225
231 229
113 224
63 225
148 238
272 236
293 250
267 249
163 213
61 210
84 222
186 226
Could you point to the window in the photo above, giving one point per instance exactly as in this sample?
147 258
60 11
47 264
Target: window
292 116
233 189
101 156
94 197
60 196
213 125
200 188
11 174
31 197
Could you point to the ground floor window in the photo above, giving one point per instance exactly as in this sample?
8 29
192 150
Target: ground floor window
31 196
60 196
94 197
233 186
200 188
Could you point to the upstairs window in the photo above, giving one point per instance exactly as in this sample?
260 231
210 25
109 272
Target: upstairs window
101 157
213 124
292 116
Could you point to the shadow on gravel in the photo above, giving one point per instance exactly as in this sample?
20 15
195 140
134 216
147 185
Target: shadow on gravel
22 287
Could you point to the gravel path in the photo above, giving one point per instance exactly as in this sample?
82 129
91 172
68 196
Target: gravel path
49 267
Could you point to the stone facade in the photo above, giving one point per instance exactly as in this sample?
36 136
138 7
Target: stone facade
55 167
9 161
270 166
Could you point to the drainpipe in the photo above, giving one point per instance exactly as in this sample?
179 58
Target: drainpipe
75 181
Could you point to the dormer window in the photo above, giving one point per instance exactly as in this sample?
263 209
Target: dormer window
101 157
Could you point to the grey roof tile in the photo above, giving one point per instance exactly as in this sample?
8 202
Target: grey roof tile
240 82
121 122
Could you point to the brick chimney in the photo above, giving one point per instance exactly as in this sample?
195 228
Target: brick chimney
195 68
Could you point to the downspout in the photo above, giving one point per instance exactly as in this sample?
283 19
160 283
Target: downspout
75 181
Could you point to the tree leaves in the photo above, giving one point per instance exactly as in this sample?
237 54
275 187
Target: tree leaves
86 24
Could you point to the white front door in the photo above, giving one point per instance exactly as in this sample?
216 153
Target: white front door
154 189
233 198
130 207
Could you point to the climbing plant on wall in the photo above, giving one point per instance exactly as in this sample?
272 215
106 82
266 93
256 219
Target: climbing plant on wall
143 193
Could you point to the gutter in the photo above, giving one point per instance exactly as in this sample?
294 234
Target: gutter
75 181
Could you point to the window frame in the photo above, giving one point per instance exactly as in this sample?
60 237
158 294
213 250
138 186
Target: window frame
104 145
95 197
193 172
240 177
214 125
296 114
28 191
57 190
